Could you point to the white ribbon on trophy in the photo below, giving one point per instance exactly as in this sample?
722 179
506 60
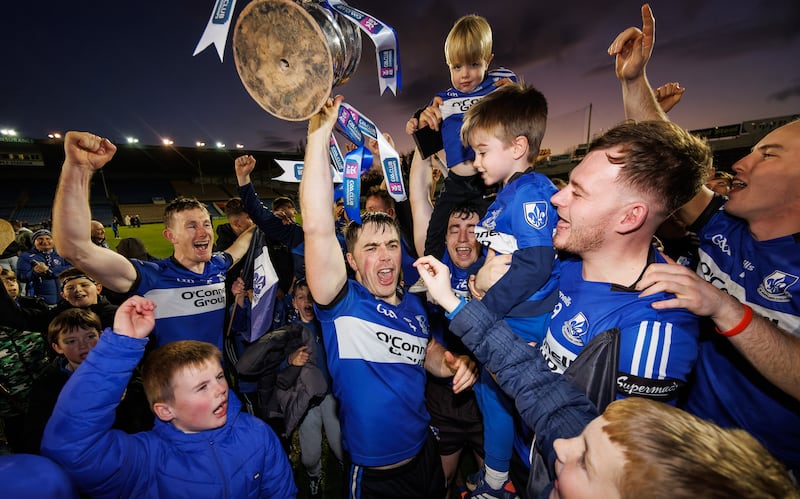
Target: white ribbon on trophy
216 31
385 40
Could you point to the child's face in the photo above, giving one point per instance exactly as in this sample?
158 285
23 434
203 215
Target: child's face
589 465
75 344
12 286
303 303
81 292
495 160
466 77
200 398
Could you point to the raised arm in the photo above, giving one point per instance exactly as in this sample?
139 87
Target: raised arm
420 179
325 266
632 49
275 227
239 248
79 434
86 153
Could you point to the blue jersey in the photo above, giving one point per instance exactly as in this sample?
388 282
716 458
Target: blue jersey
189 306
728 390
376 353
521 221
658 348
459 278
453 107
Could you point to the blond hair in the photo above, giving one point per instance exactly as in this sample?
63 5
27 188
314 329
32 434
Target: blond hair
670 453
469 40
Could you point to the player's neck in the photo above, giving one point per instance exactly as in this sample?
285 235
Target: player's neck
784 223
191 265
619 264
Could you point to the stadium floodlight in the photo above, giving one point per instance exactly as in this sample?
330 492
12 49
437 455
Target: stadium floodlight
132 140
9 132
54 135
220 145
167 142
200 143
239 146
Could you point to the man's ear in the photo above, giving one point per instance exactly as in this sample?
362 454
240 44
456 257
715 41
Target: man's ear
99 288
168 235
163 412
633 216
351 261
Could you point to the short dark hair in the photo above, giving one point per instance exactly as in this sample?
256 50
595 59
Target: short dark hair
70 319
377 191
234 206
658 158
73 273
299 283
466 210
182 203
353 229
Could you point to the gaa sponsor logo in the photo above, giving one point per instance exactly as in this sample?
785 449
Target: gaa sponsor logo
385 311
722 242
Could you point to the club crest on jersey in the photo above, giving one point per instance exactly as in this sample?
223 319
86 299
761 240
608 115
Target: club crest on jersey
491 219
775 287
536 214
573 329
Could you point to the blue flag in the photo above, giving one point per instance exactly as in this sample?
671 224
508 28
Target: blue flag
260 276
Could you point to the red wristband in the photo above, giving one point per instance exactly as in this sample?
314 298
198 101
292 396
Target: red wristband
738 328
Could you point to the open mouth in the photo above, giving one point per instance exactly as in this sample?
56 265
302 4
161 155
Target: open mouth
221 410
201 245
737 184
386 276
463 251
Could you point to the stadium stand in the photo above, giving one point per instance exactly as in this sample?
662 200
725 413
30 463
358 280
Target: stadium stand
139 180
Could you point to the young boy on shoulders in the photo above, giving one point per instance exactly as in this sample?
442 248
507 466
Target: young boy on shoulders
202 444
505 129
468 52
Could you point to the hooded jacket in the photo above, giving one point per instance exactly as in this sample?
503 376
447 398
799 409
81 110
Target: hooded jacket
287 391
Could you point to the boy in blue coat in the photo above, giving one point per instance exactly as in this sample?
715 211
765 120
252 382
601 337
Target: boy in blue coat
202 445
505 130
